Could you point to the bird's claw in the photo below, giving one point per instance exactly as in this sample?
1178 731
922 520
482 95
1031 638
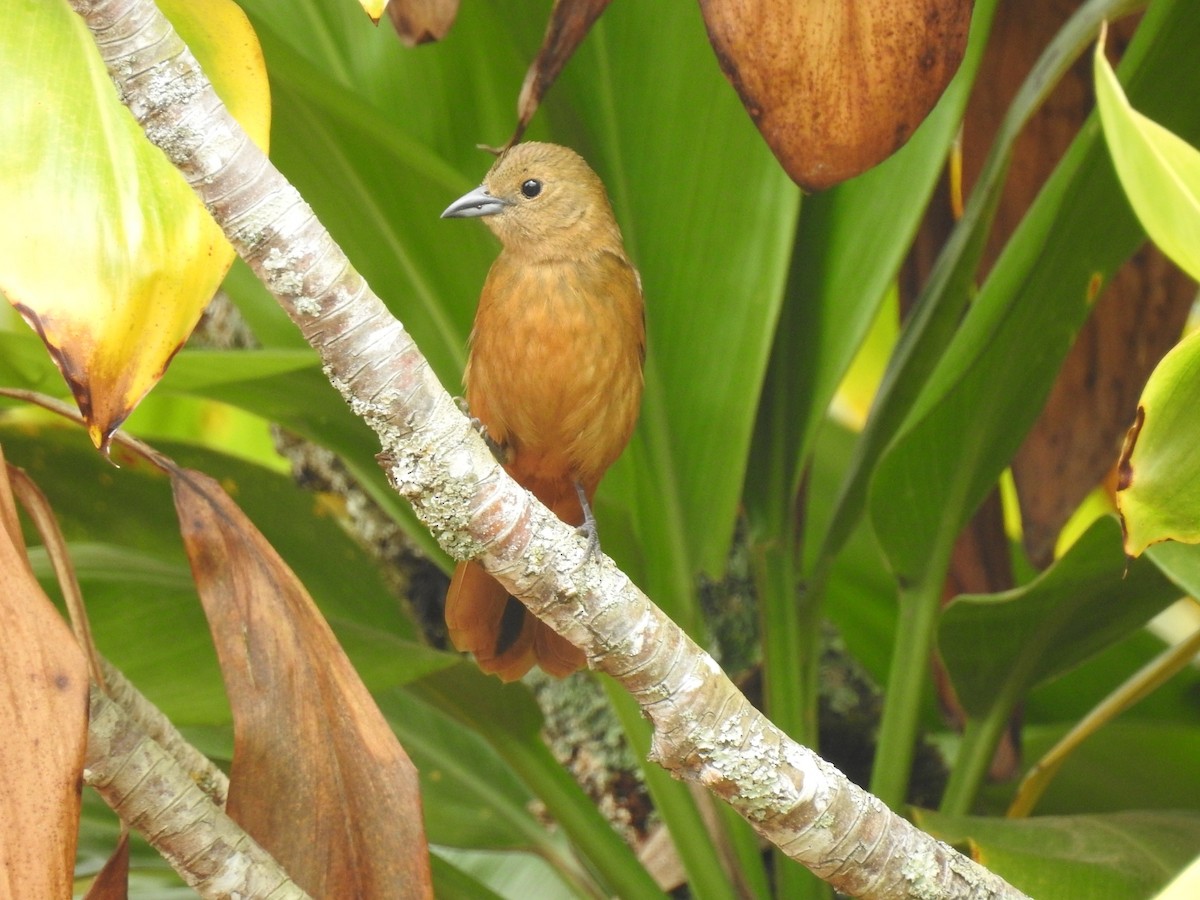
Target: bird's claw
588 528
499 450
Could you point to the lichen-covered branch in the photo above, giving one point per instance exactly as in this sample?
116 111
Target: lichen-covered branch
150 719
151 793
705 730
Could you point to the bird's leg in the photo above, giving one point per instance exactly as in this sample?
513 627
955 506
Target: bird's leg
588 528
500 451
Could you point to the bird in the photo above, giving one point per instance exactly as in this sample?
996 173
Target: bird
554 374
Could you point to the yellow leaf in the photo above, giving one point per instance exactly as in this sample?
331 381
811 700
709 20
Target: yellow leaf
107 252
374 8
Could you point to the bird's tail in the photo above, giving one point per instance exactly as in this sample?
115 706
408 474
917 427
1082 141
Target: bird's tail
505 638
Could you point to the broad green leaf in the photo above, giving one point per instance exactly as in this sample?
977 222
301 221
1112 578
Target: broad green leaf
987 388
998 646
1104 857
508 719
1159 171
1180 563
1075 693
1159 493
287 387
1133 763
508 875
989 384
452 883
849 246
24 364
83 184
137 582
471 797
951 285
381 179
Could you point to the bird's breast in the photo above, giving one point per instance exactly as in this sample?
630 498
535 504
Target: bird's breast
555 368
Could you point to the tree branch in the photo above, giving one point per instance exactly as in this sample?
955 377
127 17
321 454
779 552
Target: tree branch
151 792
705 731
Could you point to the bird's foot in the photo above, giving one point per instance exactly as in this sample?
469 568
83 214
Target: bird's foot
588 528
499 450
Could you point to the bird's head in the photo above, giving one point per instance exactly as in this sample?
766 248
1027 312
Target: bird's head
541 199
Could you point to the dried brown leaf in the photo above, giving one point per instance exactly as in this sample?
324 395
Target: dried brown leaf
37 507
318 777
837 87
112 881
422 21
43 727
569 23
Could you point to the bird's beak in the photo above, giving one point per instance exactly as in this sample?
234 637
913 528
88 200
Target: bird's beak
477 203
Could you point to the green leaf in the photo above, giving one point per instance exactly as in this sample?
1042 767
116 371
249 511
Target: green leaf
106 248
288 387
452 883
998 646
1159 171
380 180
508 719
500 875
849 247
471 797
1107 857
987 388
989 384
137 583
1133 763
1159 496
951 284
1074 694
1180 563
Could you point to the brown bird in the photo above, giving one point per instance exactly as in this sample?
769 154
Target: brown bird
554 374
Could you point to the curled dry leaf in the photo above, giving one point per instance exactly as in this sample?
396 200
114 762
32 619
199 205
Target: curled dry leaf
422 21
43 726
837 87
570 21
318 777
112 881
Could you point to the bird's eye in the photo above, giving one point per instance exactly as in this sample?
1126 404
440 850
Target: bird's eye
531 188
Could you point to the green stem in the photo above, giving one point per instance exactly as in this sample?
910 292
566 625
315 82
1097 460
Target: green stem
701 861
919 608
978 746
791 638
789 686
